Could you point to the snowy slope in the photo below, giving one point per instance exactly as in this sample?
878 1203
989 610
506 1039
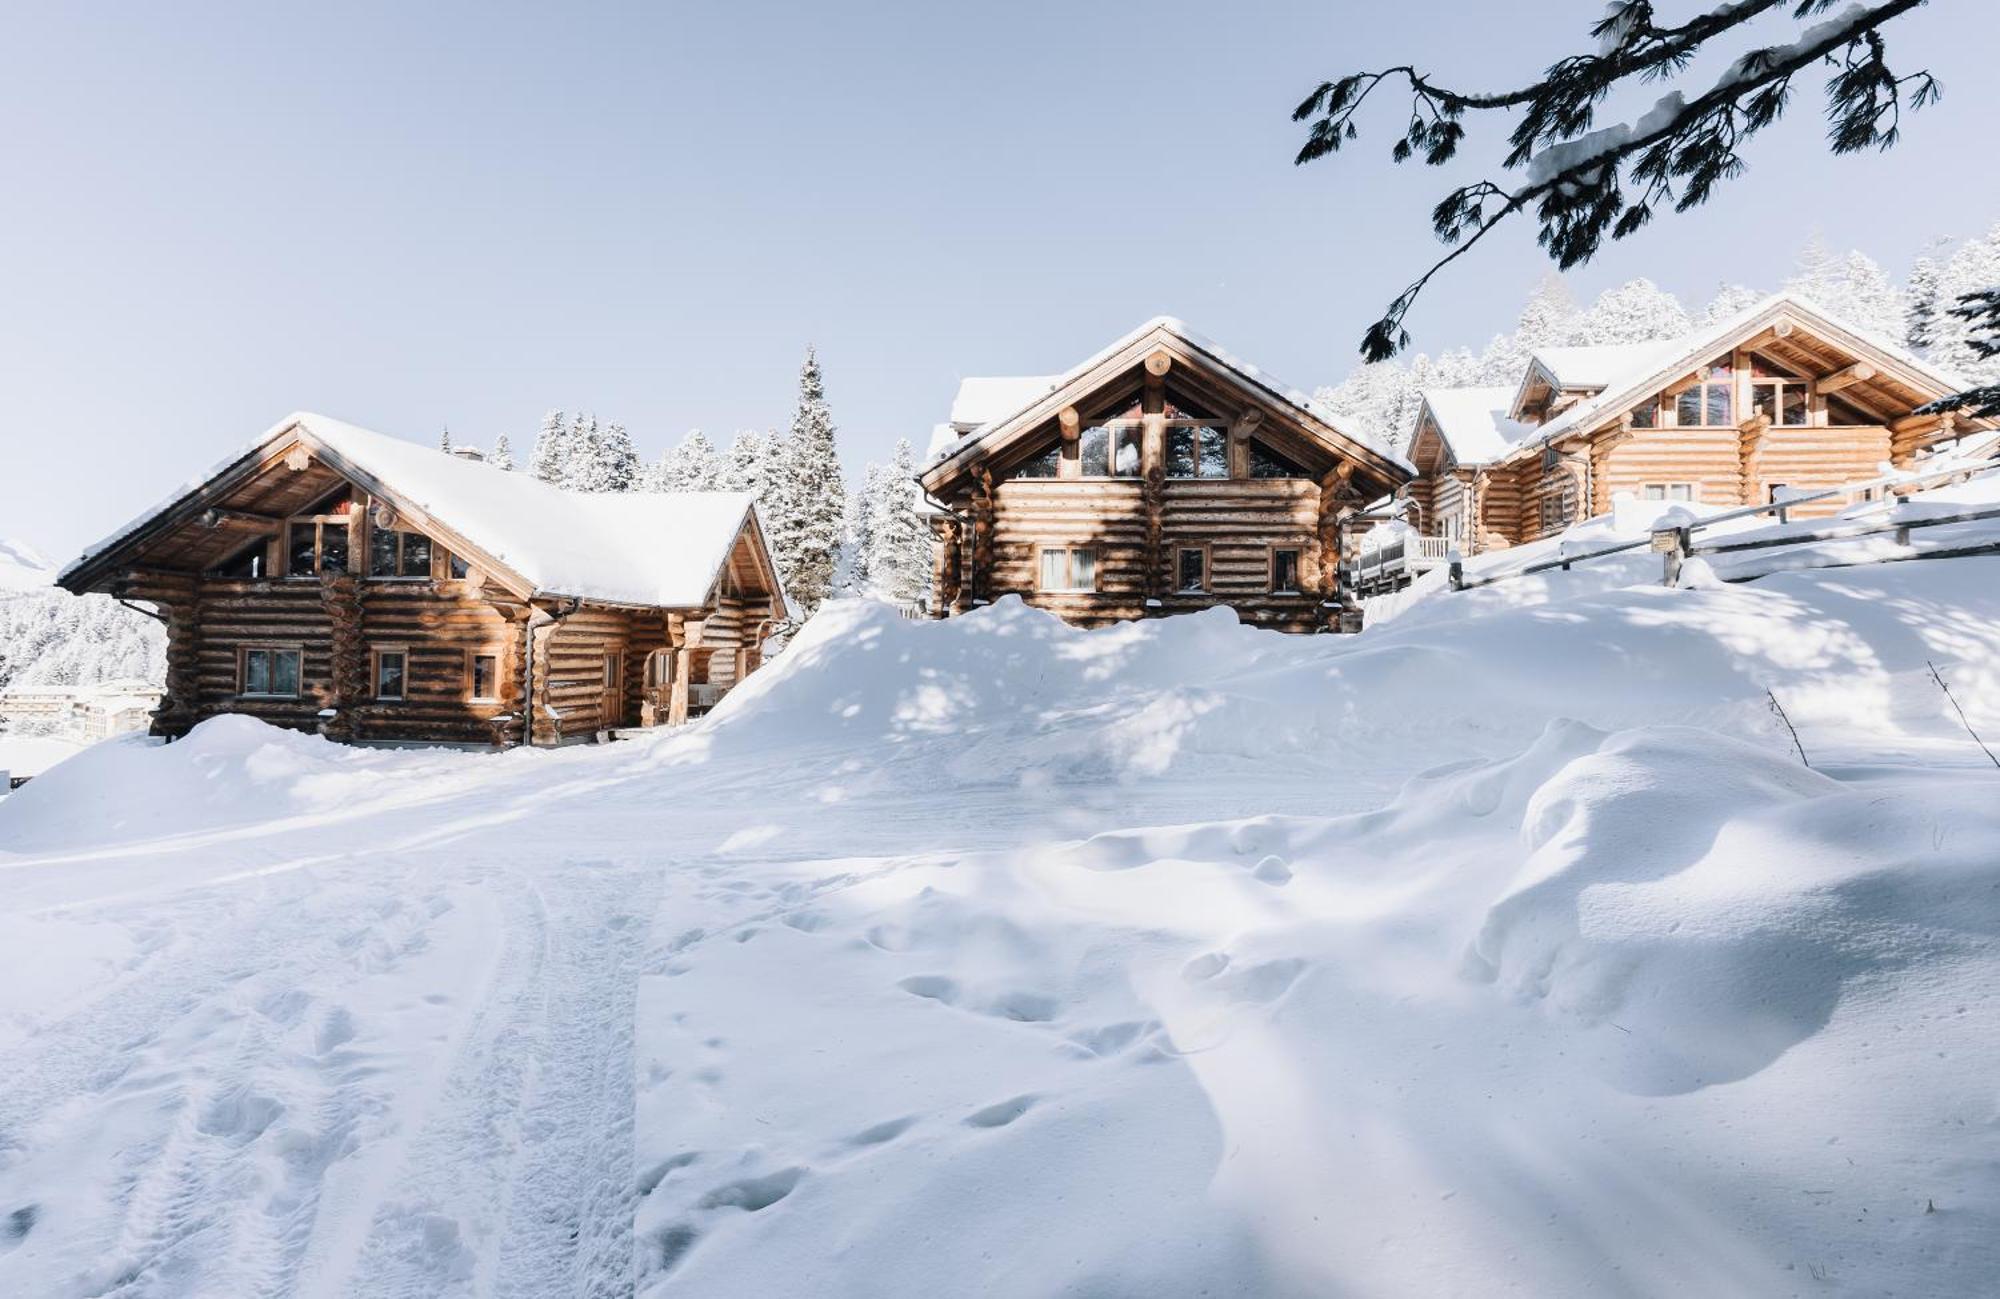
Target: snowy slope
1507 951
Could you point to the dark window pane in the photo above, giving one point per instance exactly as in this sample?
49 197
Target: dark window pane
1097 452
382 553
1054 570
1719 405
1266 463
284 672
302 559
1646 415
1214 453
486 674
1687 408
333 548
1284 570
1180 453
389 676
1764 401
256 672
1190 571
1083 569
1126 444
1795 404
459 568
1042 466
416 555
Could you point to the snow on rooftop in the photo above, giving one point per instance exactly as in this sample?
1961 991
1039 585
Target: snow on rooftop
1596 365
983 399
660 549
1474 422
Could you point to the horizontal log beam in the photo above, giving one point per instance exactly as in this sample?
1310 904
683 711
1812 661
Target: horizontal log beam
1859 372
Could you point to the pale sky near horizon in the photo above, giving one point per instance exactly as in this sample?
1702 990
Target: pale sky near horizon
412 215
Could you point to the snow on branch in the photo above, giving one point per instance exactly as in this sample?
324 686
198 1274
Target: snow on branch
1586 183
1981 311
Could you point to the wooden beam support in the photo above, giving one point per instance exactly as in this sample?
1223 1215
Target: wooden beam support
1247 423
1158 362
1069 422
1859 372
217 516
1919 423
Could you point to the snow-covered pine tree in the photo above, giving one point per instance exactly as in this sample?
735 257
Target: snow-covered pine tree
1974 268
808 496
699 463
899 565
862 507
1854 288
746 466
503 454
1926 274
1729 300
586 471
551 459
444 440
618 460
1637 311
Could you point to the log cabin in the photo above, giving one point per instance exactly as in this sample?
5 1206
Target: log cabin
1781 399
341 581
1160 476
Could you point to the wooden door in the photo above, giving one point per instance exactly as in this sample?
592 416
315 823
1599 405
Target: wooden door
611 706
656 700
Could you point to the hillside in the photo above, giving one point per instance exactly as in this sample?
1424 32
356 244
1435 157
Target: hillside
1507 946
50 637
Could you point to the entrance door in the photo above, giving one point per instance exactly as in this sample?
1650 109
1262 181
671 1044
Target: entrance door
657 697
611 706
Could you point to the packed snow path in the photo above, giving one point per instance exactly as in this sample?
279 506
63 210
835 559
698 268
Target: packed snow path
992 956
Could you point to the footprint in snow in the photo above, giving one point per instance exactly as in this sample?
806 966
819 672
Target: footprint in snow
1001 1113
1205 966
883 1132
753 1194
1272 870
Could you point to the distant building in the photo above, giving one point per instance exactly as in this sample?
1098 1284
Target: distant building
88 713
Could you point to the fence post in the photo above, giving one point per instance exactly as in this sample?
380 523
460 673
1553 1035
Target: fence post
1672 543
1455 574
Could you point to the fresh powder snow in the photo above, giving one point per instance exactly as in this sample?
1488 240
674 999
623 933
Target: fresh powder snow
1508 945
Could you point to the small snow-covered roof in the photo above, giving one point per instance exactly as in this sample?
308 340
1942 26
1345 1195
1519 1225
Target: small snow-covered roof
1599 364
981 400
652 549
1474 422
1027 396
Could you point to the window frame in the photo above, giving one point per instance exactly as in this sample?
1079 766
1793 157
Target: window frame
1666 490
243 653
1194 426
1069 554
472 695
401 535
1715 376
1206 586
1298 554
376 653
1114 431
319 523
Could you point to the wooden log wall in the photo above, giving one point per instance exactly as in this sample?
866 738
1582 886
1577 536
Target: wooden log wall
441 625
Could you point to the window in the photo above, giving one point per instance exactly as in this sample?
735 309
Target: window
398 554
1045 465
1197 451
1555 514
315 546
269 671
1191 568
1667 492
1111 450
1646 414
1285 569
251 562
1069 568
485 681
460 570
391 673
1266 463
1550 457
1777 394
1709 403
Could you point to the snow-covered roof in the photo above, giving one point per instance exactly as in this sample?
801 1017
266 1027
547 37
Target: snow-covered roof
655 549
1274 387
1598 364
981 400
1474 422
1668 360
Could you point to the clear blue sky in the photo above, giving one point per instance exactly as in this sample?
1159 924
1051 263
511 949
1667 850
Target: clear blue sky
407 215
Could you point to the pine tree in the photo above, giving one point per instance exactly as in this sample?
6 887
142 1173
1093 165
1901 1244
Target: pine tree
700 463
618 461
503 455
551 459
444 440
808 496
862 508
1852 288
1920 328
746 467
899 563
1638 311
1729 300
1973 268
